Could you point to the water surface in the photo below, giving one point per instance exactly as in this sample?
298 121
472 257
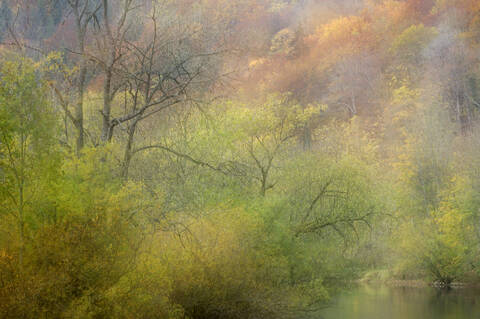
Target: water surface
380 302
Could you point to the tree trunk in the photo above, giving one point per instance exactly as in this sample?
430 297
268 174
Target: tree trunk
79 108
128 150
107 131
80 90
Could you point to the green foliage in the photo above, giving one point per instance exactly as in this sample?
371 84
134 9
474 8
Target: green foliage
73 260
248 207
28 154
322 194
228 267
408 53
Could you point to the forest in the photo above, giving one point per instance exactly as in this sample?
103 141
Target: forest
224 159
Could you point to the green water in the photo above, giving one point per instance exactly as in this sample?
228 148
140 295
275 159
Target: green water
376 302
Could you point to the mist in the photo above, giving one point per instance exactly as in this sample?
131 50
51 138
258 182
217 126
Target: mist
239 159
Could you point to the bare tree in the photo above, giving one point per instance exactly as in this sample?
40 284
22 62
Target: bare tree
454 79
353 78
163 70
84 12
111 46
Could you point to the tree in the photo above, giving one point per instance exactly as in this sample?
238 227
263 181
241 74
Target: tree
169 65
455 80
266 133
27 133
111 41
252 141
407 50
84 12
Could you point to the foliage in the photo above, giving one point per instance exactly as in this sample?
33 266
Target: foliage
233 159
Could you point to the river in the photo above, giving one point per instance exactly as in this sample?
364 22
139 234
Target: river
381 302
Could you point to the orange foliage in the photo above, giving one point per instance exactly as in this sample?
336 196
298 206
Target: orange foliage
306 72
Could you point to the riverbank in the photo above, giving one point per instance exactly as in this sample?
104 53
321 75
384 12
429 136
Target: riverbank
385 277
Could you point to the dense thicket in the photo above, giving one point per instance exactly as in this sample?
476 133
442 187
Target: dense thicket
233 159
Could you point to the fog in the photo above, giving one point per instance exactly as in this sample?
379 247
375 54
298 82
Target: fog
236 159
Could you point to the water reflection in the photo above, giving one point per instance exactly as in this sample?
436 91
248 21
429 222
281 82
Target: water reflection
381 302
